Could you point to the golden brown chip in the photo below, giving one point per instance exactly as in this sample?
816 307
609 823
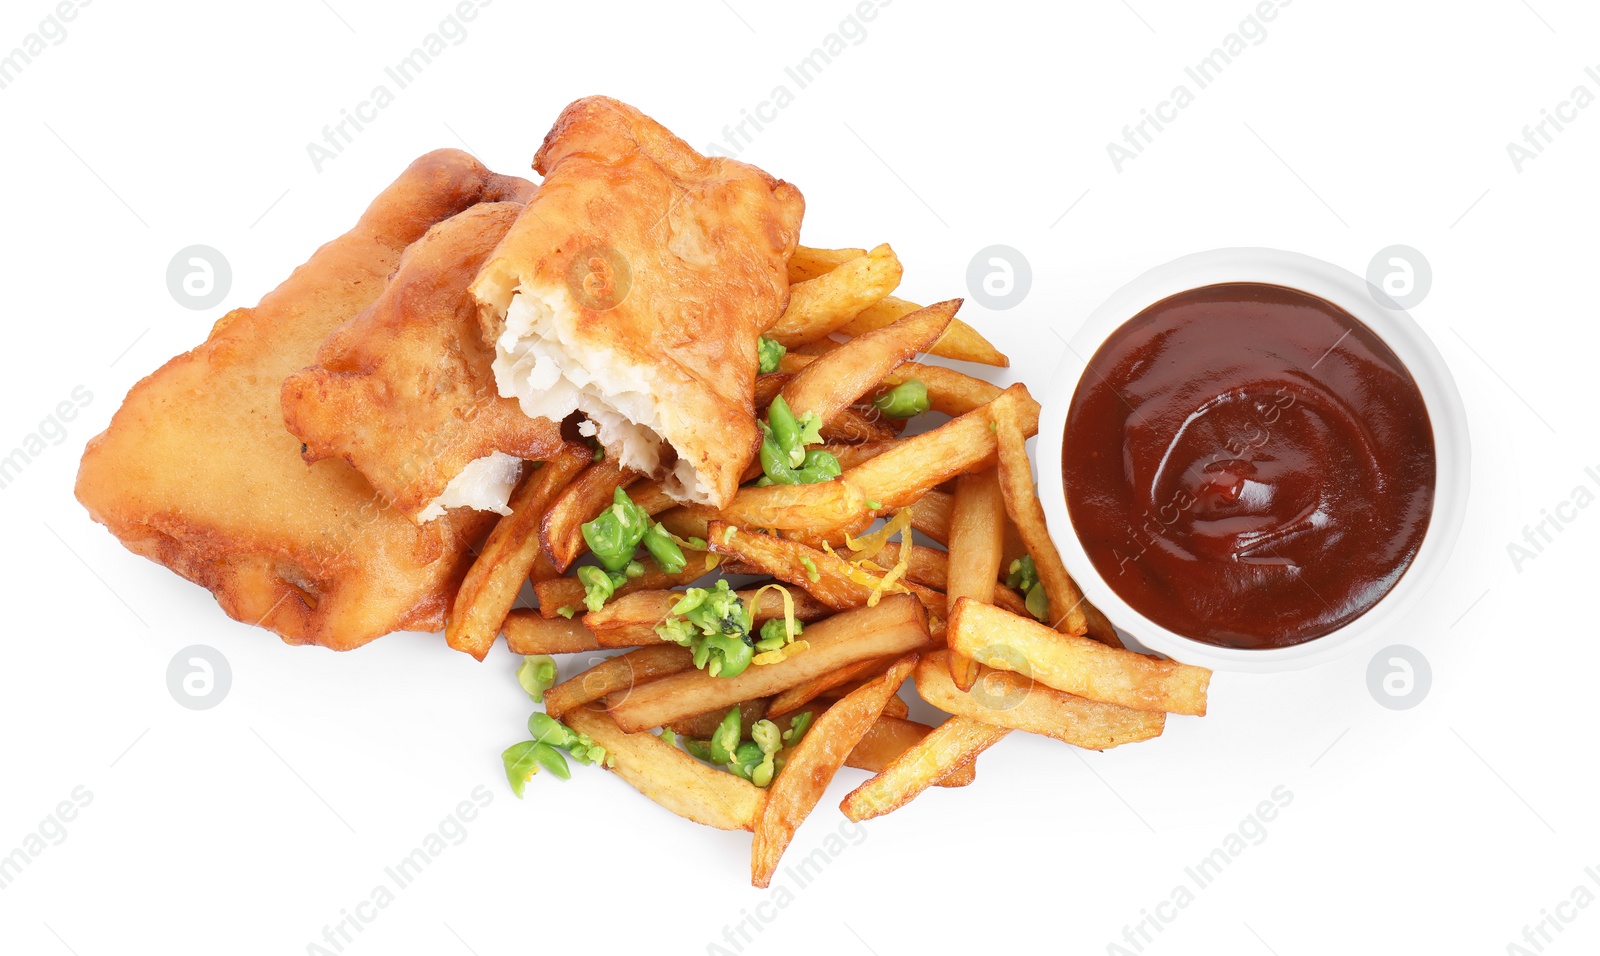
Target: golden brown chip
1022 504
896 625
1073 664
506 559
948 753
528 633
671 777
811 764
617 675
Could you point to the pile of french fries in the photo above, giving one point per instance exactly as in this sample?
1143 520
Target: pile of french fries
876 612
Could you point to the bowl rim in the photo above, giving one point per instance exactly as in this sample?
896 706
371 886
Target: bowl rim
1447 414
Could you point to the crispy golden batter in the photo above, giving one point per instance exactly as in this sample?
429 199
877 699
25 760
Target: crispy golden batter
654 270
404 391
197 471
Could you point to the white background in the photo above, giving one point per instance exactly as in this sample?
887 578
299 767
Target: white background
950 127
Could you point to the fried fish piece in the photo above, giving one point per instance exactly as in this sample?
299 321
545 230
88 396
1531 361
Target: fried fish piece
197 471
404 391
634 288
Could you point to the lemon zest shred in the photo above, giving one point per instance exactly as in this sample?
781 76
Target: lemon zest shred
782 653
855 570
892 579
867 546
788 609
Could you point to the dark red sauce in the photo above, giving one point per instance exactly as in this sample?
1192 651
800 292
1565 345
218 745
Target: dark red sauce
1248 465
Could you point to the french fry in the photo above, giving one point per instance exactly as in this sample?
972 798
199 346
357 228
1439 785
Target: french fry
685 524
630 620
890 737
977 535
557 593
1022 504
852 455
811 765
1014 548
808 263
833 382
1075 665
896 625
929 567
618 675
835 583
819 306
825 504
787 561
960 341
542 569
833 537
491 585
1010 700
1009 600
797 697
849 425
931 515
949 752
671 777
561 531
819 347
529 633
917 465
949 392
1100 627
702 726
770 386
894 708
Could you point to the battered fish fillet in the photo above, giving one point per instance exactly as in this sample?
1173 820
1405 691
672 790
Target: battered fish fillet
634 288
404 392
198 473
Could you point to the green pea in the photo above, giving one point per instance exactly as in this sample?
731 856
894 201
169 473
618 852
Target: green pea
798 725
547 730
786 431
748 752
669 557
598 586
775 634
615 533
818 465
523 760
537 675
730 655
906 400
769 353
725 739
775 465
1038 603
550 759
766 736
1022 574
